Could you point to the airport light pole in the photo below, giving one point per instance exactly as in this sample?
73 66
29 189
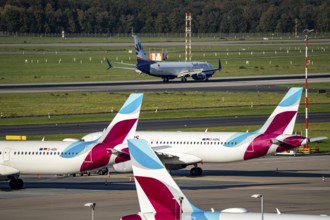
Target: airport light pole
257 196
92 205
179 199
306 32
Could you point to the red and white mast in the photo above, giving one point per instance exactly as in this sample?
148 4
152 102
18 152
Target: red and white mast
188 36
306 32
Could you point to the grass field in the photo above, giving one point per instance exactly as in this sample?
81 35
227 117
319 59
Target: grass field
38 64
196 104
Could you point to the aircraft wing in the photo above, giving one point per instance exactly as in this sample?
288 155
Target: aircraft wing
119 67
6 170
128 64
177 158
189 73
317 139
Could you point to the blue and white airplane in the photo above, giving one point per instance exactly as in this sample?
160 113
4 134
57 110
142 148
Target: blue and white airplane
160 198
169 70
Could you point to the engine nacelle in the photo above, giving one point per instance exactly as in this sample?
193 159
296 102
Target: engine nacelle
123 167
175 166
131 217
199 76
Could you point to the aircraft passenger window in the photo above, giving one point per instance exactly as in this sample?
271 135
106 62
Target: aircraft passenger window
32 153
44 153
29 153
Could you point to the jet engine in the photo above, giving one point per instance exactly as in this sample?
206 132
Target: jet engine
124 167
199 76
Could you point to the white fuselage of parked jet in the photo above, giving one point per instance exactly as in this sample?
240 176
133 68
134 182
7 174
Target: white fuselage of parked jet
49 157
63 157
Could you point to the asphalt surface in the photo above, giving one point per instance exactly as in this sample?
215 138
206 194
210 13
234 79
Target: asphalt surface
152 125
291 184
254 83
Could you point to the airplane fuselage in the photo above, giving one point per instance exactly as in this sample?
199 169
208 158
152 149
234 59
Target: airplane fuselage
217 146
52 157
173 70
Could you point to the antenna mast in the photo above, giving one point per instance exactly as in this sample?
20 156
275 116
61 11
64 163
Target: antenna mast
188 36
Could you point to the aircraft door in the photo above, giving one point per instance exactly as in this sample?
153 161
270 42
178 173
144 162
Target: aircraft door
2 156
6 154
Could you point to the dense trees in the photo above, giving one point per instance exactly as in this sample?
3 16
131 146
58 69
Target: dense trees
166 16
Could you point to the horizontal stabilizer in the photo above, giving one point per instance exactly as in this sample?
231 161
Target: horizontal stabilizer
317 139
116 152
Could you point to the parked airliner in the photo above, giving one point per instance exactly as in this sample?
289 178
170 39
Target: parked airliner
169 70
180 149
63 157
160 198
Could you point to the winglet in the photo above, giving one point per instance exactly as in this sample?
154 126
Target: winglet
219 65
108 62
283 118
156 189
123 126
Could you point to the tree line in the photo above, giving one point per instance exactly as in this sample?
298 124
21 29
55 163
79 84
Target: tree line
166 16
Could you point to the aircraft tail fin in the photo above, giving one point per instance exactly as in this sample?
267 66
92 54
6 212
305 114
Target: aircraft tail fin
142 58
283 118
157 191
124 124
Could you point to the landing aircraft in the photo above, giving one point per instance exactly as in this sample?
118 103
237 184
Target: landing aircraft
161 198
63 157
169 70
177 150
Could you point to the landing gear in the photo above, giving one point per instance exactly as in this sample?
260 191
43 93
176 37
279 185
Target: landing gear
16 183
196 171
183 79
165 79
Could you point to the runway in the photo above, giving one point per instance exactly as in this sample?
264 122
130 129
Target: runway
251 83
291 184
152 125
